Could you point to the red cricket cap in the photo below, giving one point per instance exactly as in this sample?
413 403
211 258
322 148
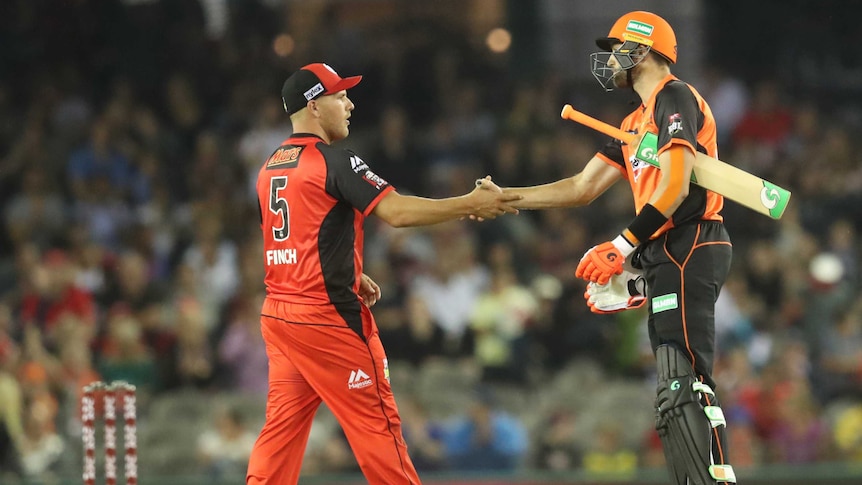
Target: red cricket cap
311 82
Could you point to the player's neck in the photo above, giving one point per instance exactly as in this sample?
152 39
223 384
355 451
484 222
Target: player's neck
648 81
309 126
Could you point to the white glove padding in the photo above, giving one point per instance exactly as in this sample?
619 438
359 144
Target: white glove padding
624 291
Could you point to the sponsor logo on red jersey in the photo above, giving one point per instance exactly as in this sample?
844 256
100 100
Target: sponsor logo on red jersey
284 157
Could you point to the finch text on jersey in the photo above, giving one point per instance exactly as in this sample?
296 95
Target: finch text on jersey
280 256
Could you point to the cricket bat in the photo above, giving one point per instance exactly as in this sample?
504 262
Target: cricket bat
710 173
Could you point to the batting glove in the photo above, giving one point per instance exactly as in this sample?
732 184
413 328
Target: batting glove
603 261
625 291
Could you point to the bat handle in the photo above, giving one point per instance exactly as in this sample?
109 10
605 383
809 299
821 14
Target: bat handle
572 114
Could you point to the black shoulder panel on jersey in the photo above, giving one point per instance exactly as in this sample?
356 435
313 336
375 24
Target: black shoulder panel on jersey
349 178
677 114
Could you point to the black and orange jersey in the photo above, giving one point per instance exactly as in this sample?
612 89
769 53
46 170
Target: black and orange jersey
313 203
678 115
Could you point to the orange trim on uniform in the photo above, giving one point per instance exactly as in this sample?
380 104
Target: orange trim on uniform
677 179
715 432
627 234
612 163
675 142
681 267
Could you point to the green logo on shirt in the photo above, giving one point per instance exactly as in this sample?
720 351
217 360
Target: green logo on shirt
664 302
647 152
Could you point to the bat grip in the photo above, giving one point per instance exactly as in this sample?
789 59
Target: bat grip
571 114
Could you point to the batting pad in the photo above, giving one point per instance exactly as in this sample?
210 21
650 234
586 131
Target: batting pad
684 424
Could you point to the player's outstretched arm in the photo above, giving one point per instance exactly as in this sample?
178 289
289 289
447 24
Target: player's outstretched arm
404 210
581 189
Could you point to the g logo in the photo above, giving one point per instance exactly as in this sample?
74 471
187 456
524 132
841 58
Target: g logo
611 257
769 197
674 386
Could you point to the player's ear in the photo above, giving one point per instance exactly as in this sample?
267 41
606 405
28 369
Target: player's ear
312 108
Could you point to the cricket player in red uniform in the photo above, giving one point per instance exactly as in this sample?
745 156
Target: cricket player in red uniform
321 339
677 238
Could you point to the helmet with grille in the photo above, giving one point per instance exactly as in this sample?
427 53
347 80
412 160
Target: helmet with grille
637 34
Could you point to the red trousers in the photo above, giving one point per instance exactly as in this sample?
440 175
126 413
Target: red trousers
331 363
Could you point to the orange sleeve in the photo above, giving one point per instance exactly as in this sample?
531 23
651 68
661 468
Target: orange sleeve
677 177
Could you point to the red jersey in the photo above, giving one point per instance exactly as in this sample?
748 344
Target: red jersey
678 115
313 202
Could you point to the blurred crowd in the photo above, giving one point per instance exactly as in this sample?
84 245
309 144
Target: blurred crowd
130 246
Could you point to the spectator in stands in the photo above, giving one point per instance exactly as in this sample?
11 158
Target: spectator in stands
255 145
557 447
453 283
423 435
132 287
409 332
394 150
485 438
124 355
800 435
499 322
11 417
242 350
607 455
192 358
840 365
746 449
847 433
53 295
768 121
212 257
42 447
729 99
224 448
99 158
37 213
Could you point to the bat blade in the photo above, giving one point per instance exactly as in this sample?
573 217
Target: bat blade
710 173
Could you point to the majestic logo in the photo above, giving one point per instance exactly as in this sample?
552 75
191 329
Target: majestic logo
664 302
674 124
640 27
357 164
358 379
284 157
314 91
386 369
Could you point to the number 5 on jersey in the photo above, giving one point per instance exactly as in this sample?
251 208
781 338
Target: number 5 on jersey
278 206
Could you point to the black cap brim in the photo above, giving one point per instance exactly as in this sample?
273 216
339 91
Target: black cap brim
605 43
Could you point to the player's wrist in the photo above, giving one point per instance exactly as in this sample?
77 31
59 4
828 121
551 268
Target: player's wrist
648 221
623 245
